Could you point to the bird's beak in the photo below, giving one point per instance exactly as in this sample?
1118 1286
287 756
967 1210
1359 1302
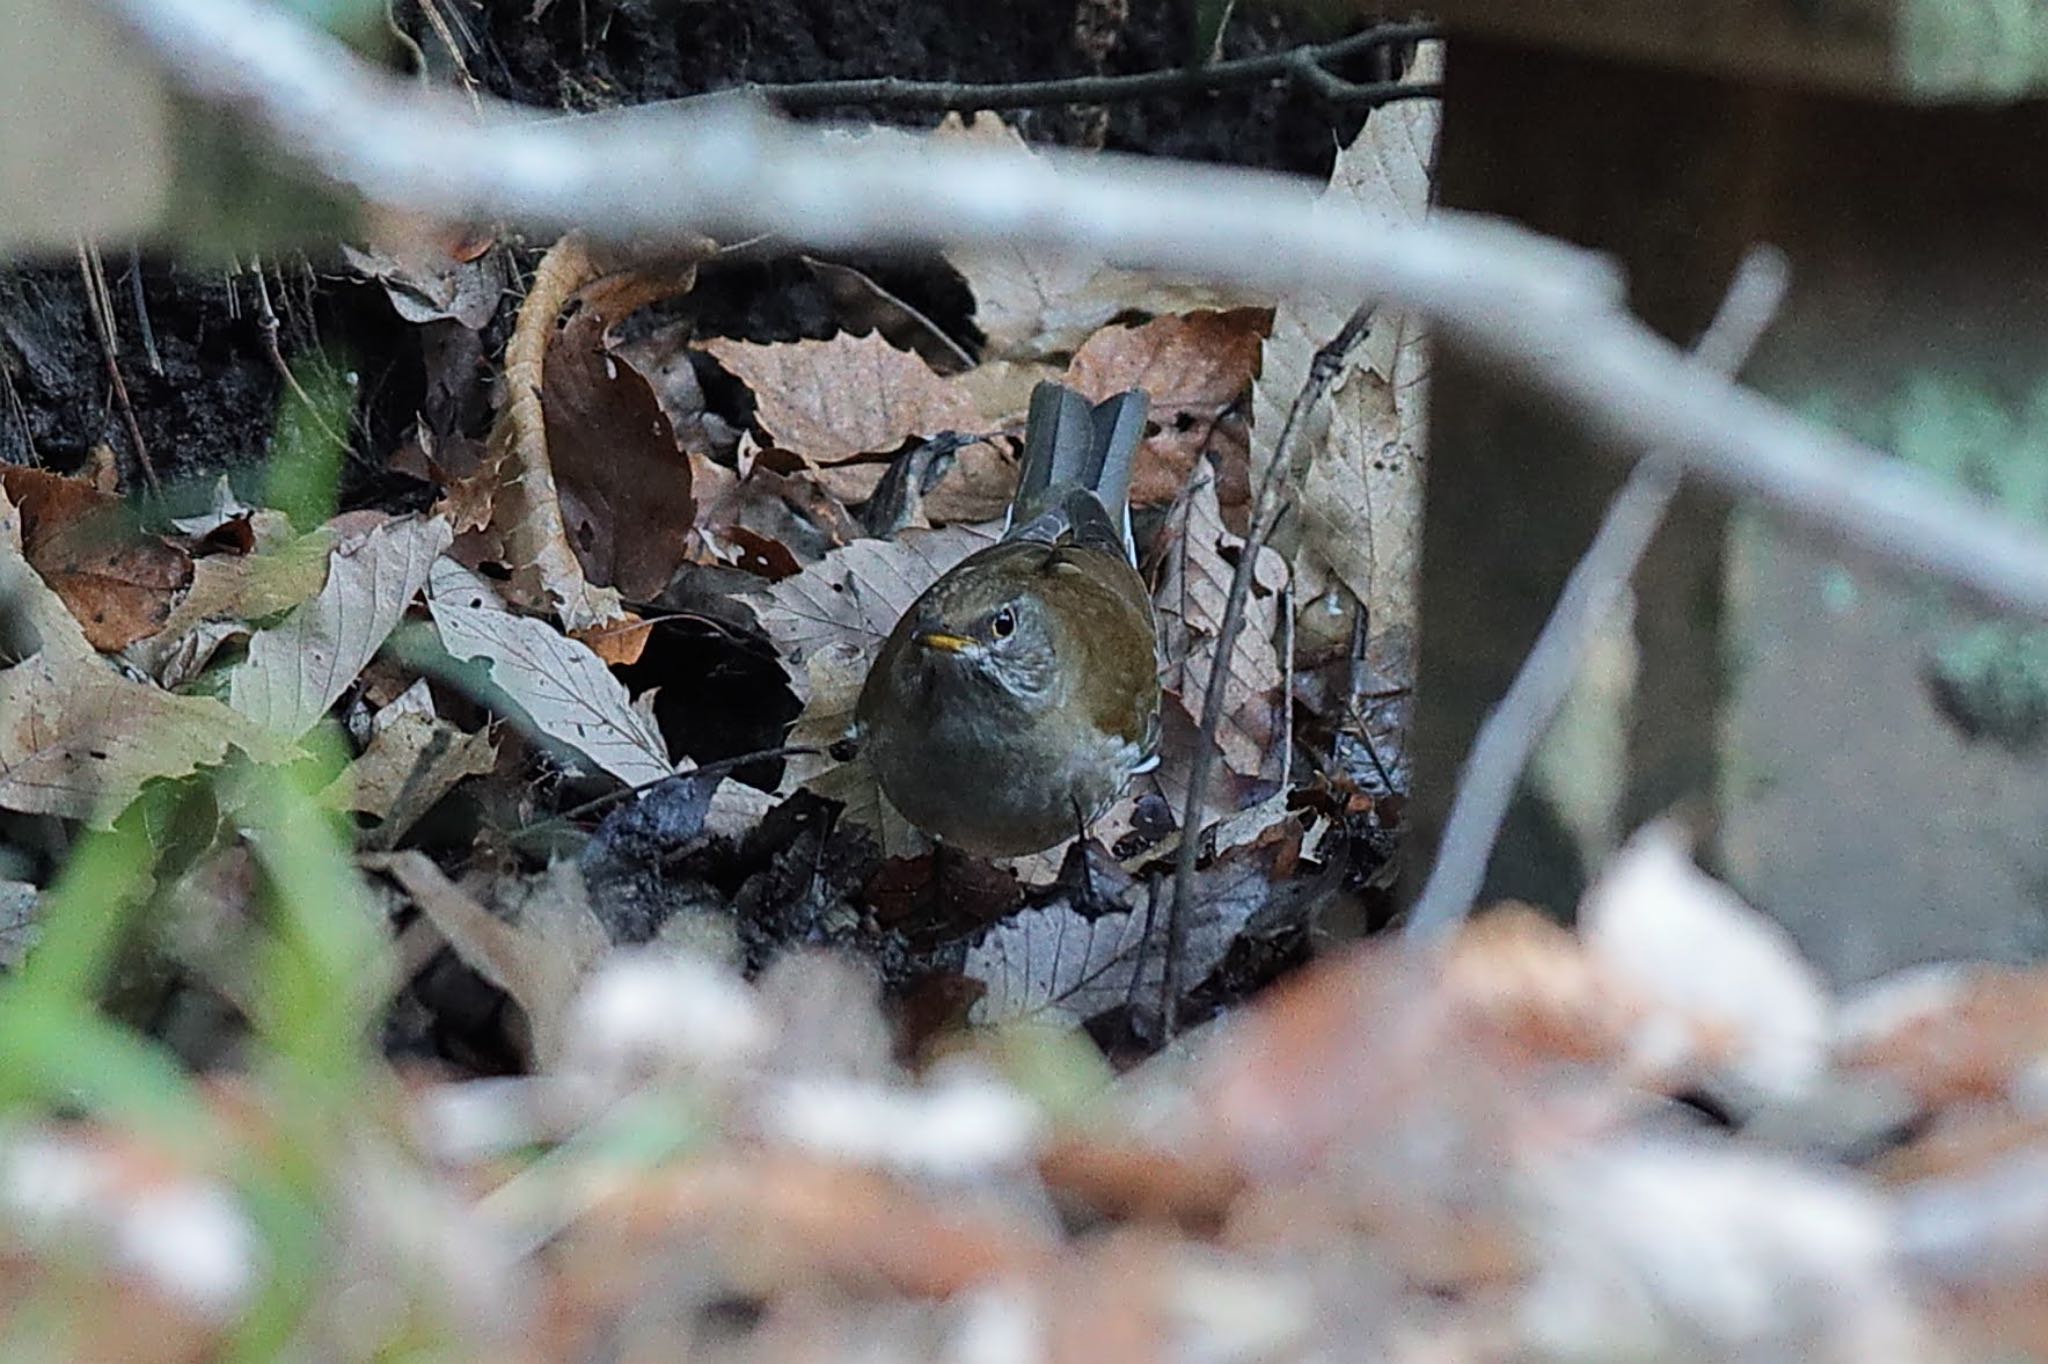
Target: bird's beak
945 643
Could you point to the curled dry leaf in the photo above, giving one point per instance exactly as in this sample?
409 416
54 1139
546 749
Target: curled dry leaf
117 581
1711 964
77 739
832 401
1032 303
563 691
1196 367
599 496
297 669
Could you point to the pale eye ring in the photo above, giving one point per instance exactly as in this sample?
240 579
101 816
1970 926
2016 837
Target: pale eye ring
1004 623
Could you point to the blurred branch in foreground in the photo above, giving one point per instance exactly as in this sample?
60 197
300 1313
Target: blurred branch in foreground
1549 312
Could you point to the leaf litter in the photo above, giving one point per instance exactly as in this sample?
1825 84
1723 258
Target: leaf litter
710 1112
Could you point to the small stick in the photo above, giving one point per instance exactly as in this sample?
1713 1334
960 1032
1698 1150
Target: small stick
149 350
267 323
1516 725
1265 515
101 307
1305 66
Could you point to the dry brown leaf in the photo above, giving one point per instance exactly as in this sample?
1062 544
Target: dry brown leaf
619 642
832 401
77 739
1032 303
1196 367
413 759
36 618
1194 588
598 490
118 582
430 277
299 668
623 481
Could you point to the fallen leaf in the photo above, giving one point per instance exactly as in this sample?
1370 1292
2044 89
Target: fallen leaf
34 617
1359 458
1055 964
1948 1033
549 510
77 739
299 668
1032 303
855 595
414 759
1196 368
426 281
118 582
563 691
538 952
228 592
1194 589
831 401
623 481
618 642
1698 953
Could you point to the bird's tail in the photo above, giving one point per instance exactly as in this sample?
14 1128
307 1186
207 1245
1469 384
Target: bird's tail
1075 479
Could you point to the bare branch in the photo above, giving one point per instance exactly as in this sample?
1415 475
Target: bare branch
1307 65
1550 313
1516 725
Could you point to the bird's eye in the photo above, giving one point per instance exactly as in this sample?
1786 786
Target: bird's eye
1004 624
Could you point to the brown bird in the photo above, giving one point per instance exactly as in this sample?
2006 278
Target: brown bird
1016 698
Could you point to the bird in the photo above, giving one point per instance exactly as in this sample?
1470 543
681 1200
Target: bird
1019 694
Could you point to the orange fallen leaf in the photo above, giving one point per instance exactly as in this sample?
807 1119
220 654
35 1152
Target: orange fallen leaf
119 582
618 642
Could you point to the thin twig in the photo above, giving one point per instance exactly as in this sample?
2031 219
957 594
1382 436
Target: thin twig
1304 66
269 326
101 306
1266 512
149 350
1515 726
1549 313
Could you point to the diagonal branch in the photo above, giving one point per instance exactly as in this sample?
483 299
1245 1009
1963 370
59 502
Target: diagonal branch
1516 725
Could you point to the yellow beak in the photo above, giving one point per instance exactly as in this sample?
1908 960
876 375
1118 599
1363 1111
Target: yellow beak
951 644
